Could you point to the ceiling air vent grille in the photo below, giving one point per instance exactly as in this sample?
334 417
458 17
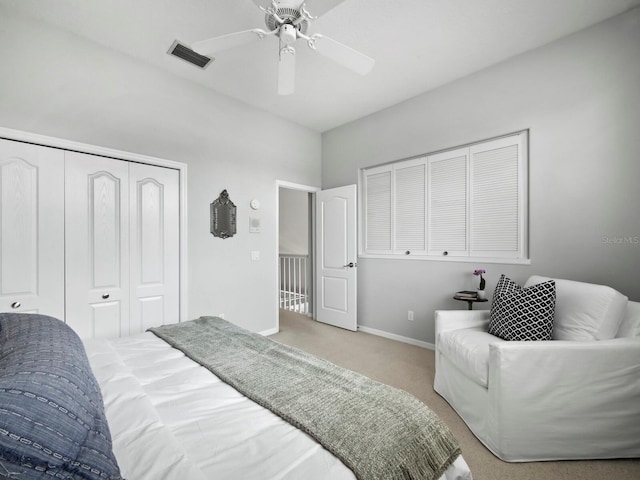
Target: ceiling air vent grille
185 53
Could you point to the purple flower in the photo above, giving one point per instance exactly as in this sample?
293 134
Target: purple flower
480 271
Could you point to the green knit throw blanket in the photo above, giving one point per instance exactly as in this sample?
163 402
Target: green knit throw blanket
378 431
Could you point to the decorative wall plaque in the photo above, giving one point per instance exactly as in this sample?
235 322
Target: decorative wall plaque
223 216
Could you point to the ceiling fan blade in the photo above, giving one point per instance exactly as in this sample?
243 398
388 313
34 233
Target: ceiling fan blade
317 8
286 70
342 54
225 42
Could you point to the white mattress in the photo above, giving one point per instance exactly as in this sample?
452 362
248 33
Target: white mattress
170 419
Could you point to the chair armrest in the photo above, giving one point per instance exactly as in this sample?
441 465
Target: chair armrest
456 319
556 356
568 396
568 375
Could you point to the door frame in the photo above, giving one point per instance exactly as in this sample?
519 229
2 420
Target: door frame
276 293
43 140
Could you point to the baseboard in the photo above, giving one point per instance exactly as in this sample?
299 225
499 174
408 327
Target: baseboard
271 331
399 338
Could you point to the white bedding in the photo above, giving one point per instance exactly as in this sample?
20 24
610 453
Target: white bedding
171 418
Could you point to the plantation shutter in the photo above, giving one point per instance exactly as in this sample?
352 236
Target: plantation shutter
470 201
410 207
448 203
378 210
495 198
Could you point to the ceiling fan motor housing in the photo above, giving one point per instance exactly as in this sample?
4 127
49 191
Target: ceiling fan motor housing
289 15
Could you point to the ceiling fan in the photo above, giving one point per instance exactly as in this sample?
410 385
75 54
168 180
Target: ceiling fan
289 20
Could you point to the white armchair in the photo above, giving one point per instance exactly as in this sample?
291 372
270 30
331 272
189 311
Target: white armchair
548 400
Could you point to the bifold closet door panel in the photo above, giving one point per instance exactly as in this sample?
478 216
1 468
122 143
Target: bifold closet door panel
154 247
97 245
31 229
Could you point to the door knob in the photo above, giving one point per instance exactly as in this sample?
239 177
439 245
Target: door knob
350 265
105 296
16 305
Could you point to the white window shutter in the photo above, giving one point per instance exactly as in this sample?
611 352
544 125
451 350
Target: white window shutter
448 203
378 210
410 207
495 198
465 202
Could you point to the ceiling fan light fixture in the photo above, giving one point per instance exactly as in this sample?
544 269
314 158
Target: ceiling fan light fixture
288 34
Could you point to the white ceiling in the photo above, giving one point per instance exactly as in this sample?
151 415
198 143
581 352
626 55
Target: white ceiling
418 45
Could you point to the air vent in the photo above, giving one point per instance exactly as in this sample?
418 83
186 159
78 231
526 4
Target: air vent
185 53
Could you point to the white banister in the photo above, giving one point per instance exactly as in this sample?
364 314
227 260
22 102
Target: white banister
295 283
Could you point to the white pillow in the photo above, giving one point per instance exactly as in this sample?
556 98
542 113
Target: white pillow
585 311
630 326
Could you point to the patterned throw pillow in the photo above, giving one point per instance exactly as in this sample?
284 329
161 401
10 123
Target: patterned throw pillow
522 313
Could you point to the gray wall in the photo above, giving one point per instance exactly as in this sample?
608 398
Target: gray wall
580 99
54 83
294 221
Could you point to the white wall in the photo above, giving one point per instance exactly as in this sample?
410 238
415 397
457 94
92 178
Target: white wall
580 98
56 84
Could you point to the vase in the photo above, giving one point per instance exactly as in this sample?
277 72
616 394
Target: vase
481 294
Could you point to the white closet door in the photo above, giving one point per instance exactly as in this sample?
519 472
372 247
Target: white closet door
154 232
31 229
97 245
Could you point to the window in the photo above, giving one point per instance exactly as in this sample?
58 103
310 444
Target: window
467 202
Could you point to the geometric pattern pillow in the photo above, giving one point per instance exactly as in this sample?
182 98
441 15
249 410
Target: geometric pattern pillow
522 313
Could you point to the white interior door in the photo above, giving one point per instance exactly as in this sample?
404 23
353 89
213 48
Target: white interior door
97 245
154 252
336 257
31 229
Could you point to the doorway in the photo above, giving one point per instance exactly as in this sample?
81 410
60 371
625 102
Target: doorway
295 248
326 224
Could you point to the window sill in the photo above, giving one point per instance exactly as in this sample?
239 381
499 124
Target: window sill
507 261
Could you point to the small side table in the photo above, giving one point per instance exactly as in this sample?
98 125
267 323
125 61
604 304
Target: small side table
470 301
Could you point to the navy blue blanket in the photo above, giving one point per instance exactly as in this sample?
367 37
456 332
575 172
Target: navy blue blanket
52 421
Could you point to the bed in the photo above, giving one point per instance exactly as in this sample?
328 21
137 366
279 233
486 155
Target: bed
164 416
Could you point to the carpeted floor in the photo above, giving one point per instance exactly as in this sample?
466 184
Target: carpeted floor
412 369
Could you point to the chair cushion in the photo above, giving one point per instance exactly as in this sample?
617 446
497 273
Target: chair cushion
585 311
468 349
522 313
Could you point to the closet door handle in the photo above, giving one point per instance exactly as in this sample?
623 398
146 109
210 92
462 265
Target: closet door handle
16 305
105 296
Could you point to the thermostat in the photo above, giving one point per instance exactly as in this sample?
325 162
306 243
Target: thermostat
255 204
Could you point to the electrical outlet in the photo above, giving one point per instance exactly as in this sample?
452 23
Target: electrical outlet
410 315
